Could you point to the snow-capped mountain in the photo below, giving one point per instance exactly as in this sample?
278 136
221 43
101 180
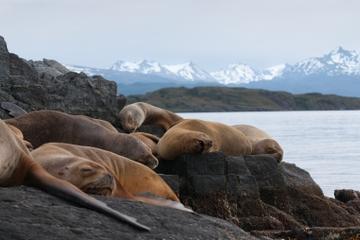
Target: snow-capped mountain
236 73
189 71
339 68
186 71
143 66
337 62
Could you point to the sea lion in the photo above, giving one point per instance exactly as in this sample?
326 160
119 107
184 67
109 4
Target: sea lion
20 136
262 143
199 136
45 126
148 139
98 171
134 115
17 167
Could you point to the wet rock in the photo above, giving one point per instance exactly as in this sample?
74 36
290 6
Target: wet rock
346 195
27 213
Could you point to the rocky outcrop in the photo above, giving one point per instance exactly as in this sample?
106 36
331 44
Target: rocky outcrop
35 85
27 213
260 195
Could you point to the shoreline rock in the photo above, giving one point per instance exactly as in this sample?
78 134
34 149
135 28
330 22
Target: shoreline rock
258 194
27 213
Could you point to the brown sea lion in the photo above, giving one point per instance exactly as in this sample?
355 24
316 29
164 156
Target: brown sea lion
149 139
45 126
134 115
262 143
198 136
17 167
20 136
98 171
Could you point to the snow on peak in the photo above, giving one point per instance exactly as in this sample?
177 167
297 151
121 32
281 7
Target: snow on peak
242 73
272 72
143 66
336 62
235 73
185 71
189 71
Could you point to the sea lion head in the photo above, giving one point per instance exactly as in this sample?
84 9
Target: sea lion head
89 176
176 142
269 146
131 117
137 150
198 143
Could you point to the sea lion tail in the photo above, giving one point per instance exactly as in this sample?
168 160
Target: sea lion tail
38 177
13 109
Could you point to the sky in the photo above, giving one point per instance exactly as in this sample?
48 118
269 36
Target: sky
211 33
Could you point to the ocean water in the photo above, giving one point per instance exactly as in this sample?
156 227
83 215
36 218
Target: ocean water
325 143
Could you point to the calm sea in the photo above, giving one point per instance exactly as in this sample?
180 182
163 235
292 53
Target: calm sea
325 143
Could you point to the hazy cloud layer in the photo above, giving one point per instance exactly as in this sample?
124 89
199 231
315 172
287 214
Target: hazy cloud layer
212 33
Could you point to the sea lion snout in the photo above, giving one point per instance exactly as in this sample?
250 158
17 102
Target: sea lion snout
201 144
151 161
205 145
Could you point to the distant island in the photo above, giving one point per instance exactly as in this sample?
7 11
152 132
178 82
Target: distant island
223 99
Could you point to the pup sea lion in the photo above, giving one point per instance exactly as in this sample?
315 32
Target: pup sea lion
262 143
45 126
198 136
17 167
98 171
134 115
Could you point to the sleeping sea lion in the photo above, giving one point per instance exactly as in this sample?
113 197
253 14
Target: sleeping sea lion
45 126
98 171
134 115
17 167
262 143
20 136
198 136
150 140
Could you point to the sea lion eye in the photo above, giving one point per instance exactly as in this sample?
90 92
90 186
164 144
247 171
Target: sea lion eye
86 170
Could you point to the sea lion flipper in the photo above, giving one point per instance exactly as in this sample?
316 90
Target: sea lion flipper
40 178
13 109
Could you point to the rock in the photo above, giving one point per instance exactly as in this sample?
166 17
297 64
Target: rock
27 213
36 85
49 67
346 195
172 181
258 194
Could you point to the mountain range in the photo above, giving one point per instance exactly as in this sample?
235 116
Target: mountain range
337 72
